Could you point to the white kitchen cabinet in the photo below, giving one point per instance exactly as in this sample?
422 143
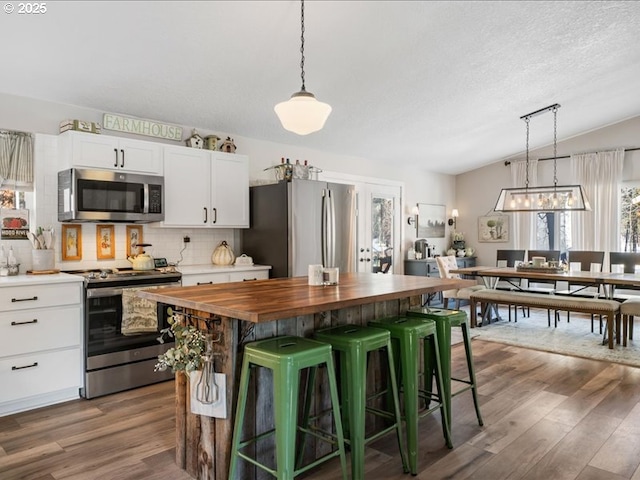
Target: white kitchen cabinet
205 188
210 274
89 150
41 330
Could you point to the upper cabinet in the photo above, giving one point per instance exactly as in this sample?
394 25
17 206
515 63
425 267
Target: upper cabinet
80 149
205 188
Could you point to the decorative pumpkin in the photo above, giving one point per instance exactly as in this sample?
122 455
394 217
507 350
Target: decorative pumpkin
223 255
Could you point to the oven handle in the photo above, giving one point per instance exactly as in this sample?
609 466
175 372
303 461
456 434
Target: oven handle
112 292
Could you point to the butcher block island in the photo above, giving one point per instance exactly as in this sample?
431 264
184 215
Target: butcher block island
242 312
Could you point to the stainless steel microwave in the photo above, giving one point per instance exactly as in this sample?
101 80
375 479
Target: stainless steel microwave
105 196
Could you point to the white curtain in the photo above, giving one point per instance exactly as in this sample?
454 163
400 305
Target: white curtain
524 224
16 160
600 174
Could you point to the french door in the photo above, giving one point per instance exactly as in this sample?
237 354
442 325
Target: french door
378 228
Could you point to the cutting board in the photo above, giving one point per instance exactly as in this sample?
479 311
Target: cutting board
42 272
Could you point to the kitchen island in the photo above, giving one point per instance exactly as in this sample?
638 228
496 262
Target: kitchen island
246 311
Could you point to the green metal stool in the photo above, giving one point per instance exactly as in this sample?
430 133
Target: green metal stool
352 343
286 357
407 334
445 319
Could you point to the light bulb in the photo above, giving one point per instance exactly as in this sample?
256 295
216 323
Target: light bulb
527 202
570 199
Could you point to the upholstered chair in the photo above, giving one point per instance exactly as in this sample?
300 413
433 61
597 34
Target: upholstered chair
445 265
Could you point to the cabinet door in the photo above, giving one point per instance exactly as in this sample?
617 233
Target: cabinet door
187 174
113 153
91 150
140 156
229 190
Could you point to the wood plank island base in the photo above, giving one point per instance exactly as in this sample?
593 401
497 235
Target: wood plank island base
246 311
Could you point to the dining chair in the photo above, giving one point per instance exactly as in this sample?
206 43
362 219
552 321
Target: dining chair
625 262
584 261
445 264
542 286
509 258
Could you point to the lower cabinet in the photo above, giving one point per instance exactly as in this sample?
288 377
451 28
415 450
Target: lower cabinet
429 268
41 358
191 279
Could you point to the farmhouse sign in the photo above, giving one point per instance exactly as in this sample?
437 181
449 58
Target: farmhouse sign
141 127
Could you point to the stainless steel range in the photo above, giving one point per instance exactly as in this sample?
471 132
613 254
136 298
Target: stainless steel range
121 343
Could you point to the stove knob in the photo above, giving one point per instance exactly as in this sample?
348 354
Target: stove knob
104 274
91 275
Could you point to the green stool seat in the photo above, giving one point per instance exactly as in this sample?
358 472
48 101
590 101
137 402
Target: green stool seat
286 357
352 343
407 335
445 319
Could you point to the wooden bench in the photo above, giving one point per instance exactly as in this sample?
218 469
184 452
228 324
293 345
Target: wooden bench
595 306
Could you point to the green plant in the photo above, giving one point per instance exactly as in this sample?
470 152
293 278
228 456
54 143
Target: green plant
190 346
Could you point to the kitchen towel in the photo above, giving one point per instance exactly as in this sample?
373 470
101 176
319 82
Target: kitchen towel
139 315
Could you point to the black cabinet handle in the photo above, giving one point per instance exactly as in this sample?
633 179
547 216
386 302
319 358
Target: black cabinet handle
28 322
116 152
204 283
13 300
34 364
206 218
249 279
215 215
122 162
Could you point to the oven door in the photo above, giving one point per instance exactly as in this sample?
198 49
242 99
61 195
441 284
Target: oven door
104 322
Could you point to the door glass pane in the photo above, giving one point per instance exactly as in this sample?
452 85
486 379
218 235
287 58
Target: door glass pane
381 234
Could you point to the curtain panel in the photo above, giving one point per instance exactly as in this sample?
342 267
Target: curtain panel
600 174
16 161
524 224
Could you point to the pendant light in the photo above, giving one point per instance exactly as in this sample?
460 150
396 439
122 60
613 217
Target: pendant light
551 198
302 113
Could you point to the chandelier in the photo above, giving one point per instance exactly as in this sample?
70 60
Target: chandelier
551 198
302 113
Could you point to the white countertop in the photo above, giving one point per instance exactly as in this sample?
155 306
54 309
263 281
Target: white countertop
27 279
209 268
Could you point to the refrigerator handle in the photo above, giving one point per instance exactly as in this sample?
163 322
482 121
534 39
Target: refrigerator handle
332 231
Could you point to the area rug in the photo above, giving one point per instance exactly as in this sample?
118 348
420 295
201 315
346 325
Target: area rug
569 338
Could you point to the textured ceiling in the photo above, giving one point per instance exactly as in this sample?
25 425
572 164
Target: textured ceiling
438 85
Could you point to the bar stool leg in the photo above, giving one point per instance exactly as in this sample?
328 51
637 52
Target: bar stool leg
410 380
472 374
433 352
286 381
237 429
356 400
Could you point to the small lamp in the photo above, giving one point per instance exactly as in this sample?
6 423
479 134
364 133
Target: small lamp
413 219
454 216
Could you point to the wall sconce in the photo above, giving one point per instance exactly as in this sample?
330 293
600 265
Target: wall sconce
454 217
413 219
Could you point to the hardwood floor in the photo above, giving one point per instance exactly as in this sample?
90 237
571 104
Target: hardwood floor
547 416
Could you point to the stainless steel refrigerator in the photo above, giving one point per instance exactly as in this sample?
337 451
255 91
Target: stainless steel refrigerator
299 223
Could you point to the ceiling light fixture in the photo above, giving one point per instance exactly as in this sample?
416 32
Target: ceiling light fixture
302 113
552 198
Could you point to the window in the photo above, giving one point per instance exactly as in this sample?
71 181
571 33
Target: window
629 215
553 231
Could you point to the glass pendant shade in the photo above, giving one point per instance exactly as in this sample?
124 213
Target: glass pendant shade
542 199
302 113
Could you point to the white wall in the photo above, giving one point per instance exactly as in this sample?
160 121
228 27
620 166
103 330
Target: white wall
477 190
31 115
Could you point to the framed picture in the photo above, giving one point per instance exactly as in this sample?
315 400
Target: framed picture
71 242
105 242
431 221
493 229
134 237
